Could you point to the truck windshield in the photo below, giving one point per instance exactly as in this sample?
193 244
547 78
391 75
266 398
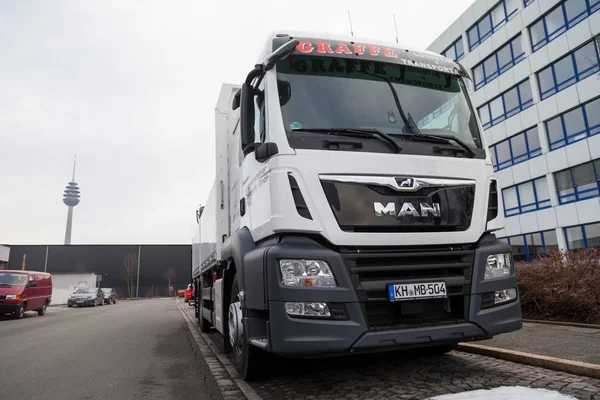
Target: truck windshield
329 92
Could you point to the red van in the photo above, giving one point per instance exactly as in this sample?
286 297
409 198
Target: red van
22 291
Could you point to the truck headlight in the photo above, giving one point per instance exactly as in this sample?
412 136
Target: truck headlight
306 273
498 265
11 297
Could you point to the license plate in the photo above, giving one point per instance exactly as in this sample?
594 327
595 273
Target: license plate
417 291
79 301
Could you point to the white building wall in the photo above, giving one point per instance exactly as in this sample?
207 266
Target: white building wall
63 285
558 217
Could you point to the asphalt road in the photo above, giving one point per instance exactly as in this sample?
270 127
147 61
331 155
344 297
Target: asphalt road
131 350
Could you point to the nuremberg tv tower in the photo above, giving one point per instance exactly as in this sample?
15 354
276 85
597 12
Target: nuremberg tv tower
71 199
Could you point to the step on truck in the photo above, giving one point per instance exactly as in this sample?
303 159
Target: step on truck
353 208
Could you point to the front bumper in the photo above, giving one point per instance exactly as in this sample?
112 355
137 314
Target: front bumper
303 336
75 302
8 308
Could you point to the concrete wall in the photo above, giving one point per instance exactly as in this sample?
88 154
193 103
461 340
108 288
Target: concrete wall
65 284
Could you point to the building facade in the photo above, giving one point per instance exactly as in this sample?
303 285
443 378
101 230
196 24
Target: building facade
535 70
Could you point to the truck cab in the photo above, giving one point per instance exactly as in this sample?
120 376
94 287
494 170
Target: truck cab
353 208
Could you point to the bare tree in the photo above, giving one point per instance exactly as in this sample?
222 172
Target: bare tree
80 266
169 277
129 271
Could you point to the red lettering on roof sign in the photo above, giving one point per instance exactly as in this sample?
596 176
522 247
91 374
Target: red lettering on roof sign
324 47
342 48
358 48
305 47
389 52
373 50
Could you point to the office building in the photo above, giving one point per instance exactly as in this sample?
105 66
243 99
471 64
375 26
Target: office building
536 86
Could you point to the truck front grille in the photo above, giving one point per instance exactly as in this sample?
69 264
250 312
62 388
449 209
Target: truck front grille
372 269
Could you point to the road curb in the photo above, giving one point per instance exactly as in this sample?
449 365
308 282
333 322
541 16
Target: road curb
215 360
560 323
535 360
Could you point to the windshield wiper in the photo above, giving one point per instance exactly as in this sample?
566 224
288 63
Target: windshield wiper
5 285
426 137
354 131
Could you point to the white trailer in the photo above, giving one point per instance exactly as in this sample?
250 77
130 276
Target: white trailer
352 209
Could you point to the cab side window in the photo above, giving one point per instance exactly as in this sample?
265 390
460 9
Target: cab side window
259 111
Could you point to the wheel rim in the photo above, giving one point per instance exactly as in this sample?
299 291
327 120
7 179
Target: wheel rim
44 309
21 311
235 326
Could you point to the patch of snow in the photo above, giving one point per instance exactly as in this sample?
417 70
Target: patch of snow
506 393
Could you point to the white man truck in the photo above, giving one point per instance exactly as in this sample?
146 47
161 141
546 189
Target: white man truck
353 208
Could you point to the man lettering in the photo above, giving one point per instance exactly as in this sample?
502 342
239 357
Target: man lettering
358 48
389 52
374 50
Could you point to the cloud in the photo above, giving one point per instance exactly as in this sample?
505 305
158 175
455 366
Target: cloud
130 87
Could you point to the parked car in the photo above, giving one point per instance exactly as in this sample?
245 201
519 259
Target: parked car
189 294
110 295
22 291
86 297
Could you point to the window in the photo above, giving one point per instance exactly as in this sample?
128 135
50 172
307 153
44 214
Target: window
570 69
509 103
260 109
491 22
578 183
539 244
456 51
526 197
499 62
519 148
559 20
574 125
584 236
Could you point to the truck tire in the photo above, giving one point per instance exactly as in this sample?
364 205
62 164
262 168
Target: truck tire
202 322
251 362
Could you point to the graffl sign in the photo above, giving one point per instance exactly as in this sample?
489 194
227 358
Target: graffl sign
365 51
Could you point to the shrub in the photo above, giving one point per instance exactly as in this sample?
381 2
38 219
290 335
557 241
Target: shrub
564 286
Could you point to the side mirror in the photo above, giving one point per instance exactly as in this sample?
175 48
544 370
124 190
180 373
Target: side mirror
32 284
247 118
281 53
265 151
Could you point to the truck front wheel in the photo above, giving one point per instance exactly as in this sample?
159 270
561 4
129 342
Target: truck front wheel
251 362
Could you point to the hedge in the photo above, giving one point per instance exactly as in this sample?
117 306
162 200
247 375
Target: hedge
564 286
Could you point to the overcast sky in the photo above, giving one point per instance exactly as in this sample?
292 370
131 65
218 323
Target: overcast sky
130 87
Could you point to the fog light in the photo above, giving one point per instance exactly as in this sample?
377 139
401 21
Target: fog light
307 309
504 296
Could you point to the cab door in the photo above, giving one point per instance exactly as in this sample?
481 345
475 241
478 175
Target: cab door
33 296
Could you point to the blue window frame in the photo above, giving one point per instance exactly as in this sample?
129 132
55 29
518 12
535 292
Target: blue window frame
491 22
578 183
499 62
574 125
506 105
521 147
583 236
559 20
456 51
538 244
528 2
526 197
568 70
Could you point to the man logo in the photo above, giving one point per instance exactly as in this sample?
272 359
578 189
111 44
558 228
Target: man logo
408 209
407 183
